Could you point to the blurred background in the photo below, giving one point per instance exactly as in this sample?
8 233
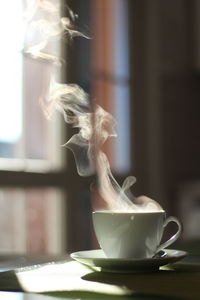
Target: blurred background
142 64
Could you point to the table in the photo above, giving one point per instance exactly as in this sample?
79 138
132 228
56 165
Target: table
59 277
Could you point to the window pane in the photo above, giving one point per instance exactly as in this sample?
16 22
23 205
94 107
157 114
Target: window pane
122 114
122 90
121 40
31 221
39 135
25 132
10 78
111 78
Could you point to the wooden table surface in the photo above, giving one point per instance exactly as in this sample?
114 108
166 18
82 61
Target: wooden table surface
56 277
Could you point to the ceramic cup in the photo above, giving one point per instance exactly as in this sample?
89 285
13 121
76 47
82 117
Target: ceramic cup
132 234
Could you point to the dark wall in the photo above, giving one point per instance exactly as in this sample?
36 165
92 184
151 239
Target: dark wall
166 97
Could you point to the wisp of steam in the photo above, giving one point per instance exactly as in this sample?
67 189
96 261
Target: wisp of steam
95 125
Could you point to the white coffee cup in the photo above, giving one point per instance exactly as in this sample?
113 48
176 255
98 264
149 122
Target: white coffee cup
132 234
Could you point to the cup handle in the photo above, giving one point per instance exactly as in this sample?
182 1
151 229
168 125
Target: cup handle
174 237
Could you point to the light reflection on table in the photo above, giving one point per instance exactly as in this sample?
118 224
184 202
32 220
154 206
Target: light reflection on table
24 296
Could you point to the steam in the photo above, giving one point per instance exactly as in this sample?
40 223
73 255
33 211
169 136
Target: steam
44 25
95 125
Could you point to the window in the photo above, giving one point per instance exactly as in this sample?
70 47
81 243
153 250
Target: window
110 68
32 191
47 201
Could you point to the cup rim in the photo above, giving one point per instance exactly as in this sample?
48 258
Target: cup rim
107 211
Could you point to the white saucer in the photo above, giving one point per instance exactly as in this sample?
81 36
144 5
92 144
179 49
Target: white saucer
97 260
